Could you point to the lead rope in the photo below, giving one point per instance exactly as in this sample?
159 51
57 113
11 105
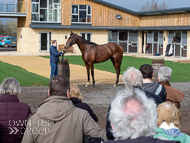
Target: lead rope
62 60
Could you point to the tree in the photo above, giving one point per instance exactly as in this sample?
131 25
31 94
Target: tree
154 5
1 28
10 28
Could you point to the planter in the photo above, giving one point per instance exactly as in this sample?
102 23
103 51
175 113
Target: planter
63 69
156 67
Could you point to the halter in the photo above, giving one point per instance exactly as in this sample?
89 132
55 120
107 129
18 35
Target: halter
70 42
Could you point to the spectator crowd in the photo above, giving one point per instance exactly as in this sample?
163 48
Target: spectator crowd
142 112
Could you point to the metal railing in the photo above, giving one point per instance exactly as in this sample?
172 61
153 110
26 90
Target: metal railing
12 7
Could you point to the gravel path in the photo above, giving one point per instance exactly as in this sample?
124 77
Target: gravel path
100 96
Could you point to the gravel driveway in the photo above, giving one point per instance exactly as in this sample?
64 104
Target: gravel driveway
100 96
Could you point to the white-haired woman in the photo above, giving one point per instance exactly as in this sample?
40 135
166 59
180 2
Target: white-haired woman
133 118
168 123
173 95
13 114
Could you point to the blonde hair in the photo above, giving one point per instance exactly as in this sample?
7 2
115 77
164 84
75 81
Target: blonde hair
168 113
75 91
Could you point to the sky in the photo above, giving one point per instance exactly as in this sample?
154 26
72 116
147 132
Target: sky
136 5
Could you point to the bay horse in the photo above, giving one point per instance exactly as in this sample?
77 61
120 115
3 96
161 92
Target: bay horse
93 53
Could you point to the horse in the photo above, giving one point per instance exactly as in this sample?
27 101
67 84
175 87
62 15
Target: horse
93 53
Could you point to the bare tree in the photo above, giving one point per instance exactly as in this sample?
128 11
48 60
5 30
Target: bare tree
1 27
154 5
10 28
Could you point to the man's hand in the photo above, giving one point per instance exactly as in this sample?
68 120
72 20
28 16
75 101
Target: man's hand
63 52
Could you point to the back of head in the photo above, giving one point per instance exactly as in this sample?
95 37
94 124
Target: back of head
165 73
132 77
132 115
75 91
10 86
168 113
53 42
146 71
58 86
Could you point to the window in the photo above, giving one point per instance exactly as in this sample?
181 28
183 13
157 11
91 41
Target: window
86 36
81 14
46 10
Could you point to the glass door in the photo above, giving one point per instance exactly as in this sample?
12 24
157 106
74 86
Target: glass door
44 41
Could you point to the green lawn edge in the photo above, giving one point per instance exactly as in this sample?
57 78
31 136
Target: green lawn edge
25 78
180 71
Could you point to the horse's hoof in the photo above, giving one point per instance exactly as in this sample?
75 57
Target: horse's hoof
87 85
115 85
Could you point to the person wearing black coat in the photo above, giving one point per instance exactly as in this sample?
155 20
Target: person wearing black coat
77 99
79 104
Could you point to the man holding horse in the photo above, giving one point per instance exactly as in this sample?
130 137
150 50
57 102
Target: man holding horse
54 58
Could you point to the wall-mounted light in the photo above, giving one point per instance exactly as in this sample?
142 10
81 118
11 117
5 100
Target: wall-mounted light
118 16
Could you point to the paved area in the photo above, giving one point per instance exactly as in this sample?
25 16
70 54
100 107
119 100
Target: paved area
41 66
149 56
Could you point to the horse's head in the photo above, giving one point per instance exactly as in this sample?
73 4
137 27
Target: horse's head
71 40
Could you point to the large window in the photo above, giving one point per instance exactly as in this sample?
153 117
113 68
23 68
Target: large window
81 14
46 10
86 35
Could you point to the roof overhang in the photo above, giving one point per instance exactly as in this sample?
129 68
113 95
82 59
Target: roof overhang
89 27
162 28
12 15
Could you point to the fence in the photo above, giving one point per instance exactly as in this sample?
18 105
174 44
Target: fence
12 7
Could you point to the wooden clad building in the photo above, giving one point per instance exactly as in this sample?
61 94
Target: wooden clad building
102 22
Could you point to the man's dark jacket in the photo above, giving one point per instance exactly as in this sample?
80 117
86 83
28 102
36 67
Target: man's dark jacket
142 140
13 116
155 88
156 98
77 103
54 54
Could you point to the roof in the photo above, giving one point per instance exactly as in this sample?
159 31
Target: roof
116 6
90 27
149 13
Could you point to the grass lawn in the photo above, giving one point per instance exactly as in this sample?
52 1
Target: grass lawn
180 70
24 77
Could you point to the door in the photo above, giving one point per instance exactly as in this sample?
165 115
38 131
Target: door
133 42
45 39
123 38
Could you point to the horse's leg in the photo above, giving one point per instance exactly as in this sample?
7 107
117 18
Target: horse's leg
116 65
92 72
118 70
88 74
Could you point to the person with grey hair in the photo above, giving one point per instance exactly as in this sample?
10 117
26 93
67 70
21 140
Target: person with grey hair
13 114
132 78
133 118
173 95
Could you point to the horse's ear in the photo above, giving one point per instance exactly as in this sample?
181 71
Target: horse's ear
72 32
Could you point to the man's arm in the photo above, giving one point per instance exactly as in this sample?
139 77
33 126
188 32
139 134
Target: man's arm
92 128
55 52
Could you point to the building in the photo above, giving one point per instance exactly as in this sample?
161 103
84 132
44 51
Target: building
40 21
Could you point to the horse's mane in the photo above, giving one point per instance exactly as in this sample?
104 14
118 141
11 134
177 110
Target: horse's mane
87 42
